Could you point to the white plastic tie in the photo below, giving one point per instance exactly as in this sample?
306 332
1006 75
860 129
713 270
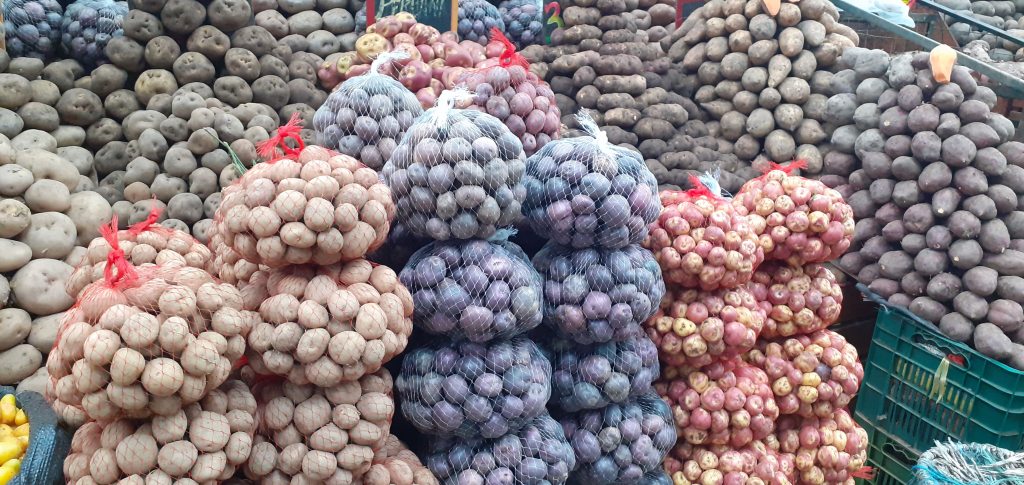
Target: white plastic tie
446 103
589 126
385 57
711 181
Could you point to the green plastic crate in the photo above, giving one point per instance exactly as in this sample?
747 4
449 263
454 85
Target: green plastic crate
891 459
920 386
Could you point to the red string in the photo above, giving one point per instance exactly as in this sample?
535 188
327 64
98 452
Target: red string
154 215
553 6
509 57
700 190
115 258
789 167
267 149
865 472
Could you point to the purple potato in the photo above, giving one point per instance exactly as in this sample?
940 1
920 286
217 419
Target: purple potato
474 290
619 443
538 454
581 196
598 295
594 377
364 113
471 390
478 194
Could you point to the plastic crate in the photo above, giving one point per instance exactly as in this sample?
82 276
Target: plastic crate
920 386
891 459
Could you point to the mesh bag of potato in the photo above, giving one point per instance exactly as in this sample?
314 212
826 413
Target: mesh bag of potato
830 449
145 243
87 27
477 19
595 295
610 373
457 173
798 220
320 434
32 27
726 403
512 93
754 464
472 390
329 324
367 115
474 290
307 205
538 454
701 240
797 299
203 442
144 341
395 464
694 328
524 21
811 375
621 442
585 192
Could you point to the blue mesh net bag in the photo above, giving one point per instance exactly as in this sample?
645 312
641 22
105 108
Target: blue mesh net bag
87 27
953 463
32 27
476 18
524 21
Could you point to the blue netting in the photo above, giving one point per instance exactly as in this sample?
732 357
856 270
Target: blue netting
968 464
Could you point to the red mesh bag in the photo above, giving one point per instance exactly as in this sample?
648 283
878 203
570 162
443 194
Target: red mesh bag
329 324
727 403
811 375
395 464
798 220
204 442
306 205
797 299
754 464
512 93
701 240
144 341
320 435
694 328
829 450
145 243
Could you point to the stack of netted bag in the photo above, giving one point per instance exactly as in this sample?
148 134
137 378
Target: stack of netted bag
479 386
594 200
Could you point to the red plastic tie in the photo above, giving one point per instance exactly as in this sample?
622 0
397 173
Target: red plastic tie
700 190
509 57
789 167
154 215
115 258
957 359
865 472
553 6
268 148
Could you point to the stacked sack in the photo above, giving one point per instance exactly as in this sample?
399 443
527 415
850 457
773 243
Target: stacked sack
480 389
142 362
594 200
328 319
758 386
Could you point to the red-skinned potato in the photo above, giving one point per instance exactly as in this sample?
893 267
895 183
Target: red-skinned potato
424 34
415 75
797 299
406 19
826 450
358 70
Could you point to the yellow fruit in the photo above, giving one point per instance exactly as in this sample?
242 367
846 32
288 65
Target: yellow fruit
20 418
9 448
8 470
23 442
21 430
8 409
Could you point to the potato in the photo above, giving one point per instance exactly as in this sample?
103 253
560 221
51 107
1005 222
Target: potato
49 234
18 363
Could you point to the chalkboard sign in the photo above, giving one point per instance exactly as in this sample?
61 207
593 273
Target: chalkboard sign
440 14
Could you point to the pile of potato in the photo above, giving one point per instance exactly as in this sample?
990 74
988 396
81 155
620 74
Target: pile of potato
763 77
47 215
611 58
322 27
394 464
937 196
434 60
204 441
1004 14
